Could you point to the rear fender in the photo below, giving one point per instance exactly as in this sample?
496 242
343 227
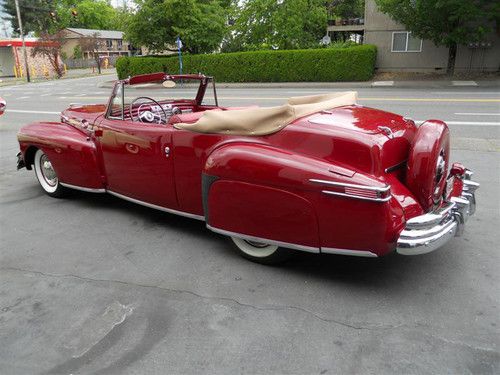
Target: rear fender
73 154
260 191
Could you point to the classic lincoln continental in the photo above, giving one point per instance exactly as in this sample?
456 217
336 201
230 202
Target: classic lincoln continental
319 173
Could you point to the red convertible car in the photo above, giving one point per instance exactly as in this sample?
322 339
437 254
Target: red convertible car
318 173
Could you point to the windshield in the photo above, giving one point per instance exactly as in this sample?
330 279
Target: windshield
164 98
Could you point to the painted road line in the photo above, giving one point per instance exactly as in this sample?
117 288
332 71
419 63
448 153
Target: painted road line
463 123
451 100
23 97
476 114
430 100
36 112
465 92
382 83
46 94
464 83
466 123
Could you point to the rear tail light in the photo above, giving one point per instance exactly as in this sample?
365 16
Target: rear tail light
363 192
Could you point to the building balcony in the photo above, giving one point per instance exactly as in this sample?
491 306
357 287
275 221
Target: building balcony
346 24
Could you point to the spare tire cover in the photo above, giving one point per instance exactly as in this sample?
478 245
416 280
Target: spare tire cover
428 163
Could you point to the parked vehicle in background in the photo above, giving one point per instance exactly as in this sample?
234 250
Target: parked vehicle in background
3 106
318 174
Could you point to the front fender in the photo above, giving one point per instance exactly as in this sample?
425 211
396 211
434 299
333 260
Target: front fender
73 154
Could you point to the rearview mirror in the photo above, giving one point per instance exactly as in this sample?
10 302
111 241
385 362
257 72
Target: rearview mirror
168 84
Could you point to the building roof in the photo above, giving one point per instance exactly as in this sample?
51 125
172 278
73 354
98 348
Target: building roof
29 42
104 34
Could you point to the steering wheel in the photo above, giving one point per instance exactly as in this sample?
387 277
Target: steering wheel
149 115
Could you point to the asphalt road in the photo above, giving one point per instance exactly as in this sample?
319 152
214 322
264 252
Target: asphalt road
96 285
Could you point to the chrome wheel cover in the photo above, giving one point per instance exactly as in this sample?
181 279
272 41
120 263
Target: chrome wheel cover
47 170
254 248
45 173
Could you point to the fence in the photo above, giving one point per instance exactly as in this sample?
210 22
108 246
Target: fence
88 63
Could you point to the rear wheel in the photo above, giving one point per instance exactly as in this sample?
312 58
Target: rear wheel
47 176
260 252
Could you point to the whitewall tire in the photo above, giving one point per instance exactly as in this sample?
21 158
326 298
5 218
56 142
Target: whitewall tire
46 175
260 252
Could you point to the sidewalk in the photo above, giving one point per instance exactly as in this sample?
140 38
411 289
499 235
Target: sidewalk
71 73
380 80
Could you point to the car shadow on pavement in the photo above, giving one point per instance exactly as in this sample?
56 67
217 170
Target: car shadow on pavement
390 271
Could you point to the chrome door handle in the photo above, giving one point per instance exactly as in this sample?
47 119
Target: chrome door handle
167 151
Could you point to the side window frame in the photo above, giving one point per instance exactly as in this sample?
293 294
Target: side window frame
112 99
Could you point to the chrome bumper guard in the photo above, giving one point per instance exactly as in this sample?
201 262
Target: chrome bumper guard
429 232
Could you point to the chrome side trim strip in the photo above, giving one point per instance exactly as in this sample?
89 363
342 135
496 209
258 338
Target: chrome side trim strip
386 199
384 189
356 253
150 205
88 190
309 249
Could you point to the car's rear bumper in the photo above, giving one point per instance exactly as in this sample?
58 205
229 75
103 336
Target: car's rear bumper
429 232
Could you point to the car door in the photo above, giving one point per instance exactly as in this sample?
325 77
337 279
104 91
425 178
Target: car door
137 160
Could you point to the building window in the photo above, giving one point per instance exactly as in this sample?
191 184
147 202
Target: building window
403 41
120 43
109 43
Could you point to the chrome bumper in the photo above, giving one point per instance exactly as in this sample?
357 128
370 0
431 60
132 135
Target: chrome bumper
429 232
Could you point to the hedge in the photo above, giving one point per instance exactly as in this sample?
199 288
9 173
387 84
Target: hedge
314 65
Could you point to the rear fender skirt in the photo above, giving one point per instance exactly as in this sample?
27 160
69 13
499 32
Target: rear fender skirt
72 153
256 190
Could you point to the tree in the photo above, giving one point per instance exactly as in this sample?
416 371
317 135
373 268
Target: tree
346 8
49 47
50 16
278 24
92 44
446 22
156 23
90 14
36 15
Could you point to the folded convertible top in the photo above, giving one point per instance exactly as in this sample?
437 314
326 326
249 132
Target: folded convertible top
263 121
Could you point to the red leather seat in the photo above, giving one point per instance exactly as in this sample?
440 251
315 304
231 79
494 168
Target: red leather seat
187 118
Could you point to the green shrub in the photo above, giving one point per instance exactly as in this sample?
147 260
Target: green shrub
354 63
77 52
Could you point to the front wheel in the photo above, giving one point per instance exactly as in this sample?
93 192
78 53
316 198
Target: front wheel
46 175
260 252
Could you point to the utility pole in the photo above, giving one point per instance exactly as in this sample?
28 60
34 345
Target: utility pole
20 23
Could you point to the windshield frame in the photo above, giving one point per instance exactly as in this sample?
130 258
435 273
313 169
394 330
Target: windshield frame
160 78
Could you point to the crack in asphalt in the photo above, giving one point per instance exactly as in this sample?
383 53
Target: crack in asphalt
227 299
461 343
